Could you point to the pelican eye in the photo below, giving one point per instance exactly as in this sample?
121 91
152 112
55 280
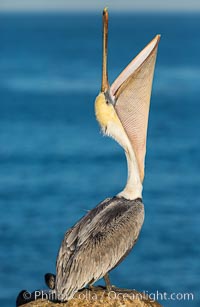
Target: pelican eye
109 99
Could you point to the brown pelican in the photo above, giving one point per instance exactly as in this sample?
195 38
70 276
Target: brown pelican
105 235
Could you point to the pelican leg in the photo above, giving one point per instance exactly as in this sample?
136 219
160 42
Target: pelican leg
91 287
95 288
107 282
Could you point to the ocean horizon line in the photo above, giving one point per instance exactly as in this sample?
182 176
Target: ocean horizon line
96 12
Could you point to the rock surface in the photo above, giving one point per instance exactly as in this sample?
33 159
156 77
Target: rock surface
101 298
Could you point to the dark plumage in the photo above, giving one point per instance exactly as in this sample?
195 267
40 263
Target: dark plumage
97 243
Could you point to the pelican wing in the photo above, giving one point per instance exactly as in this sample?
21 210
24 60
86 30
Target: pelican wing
103 237
73 239
132 92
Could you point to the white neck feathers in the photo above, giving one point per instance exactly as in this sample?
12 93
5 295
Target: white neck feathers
133 188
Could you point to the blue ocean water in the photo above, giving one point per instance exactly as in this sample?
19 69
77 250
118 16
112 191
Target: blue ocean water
55 165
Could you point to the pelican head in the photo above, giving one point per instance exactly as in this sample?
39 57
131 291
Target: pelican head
122 109
104 104
105 101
